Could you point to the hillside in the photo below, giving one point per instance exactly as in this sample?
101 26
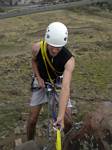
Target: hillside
90 40
26 2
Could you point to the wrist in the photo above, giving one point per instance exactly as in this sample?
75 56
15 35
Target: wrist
37 76
61 115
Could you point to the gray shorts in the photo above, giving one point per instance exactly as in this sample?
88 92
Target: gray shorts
39 96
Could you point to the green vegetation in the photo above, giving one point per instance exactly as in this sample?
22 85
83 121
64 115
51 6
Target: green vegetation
1 10
90 40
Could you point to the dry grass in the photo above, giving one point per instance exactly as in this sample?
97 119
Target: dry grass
90 38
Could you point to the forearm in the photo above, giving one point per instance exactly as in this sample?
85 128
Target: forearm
35 69
65 91
64 96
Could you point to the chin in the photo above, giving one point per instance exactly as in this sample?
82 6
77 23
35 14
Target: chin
53 55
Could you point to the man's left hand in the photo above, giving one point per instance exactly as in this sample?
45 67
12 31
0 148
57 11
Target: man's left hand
59 123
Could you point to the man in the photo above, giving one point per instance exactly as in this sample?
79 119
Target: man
63 63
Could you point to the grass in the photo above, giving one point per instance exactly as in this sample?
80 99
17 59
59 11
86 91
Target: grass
90 38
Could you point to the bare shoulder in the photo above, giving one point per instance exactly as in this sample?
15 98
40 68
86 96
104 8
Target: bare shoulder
35 49
70 64
67 75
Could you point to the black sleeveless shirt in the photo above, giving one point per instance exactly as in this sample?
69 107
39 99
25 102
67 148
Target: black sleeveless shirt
58 63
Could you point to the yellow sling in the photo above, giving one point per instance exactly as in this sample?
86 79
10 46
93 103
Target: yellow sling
45 57
44 52
58 140
42 46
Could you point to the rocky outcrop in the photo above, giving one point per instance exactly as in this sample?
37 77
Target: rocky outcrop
30 145
95 133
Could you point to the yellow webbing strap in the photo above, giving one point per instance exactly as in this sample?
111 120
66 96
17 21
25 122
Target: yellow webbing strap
46 57
58 140
42 46
45 53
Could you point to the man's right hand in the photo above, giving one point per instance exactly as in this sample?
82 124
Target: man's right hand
41 82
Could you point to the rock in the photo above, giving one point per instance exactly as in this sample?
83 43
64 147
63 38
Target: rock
29 145
18 142
95 133
17 130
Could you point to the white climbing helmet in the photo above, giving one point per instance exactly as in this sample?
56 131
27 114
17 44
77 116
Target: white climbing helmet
56 34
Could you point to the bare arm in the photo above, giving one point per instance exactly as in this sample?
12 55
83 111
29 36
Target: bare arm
35 51
65 91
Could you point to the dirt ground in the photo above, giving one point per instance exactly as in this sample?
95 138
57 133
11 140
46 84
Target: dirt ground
90 40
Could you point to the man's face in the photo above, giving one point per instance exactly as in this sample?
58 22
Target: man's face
53 50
